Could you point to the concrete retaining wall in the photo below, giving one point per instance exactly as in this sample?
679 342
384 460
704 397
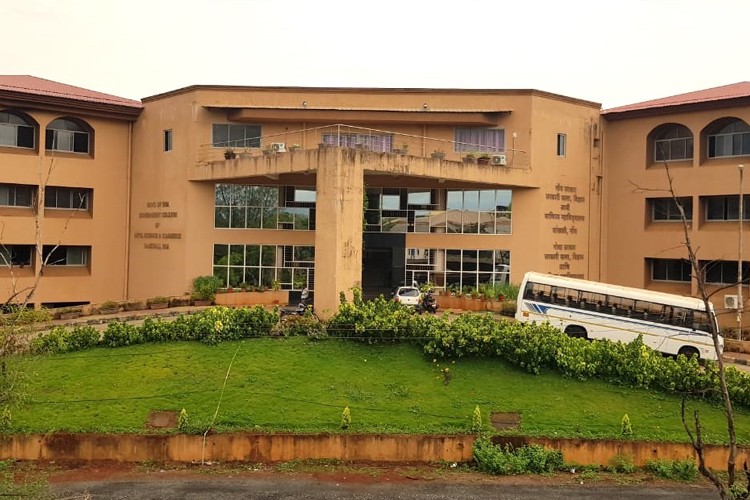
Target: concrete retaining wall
345 447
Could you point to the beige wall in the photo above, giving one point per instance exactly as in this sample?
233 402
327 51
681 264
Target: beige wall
103 229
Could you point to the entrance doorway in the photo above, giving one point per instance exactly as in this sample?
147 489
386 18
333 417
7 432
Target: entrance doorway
382 264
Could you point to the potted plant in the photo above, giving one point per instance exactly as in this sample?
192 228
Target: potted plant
402 150
269 151
229 154
158 302
109 307
483 159
437 155
470 158
71 312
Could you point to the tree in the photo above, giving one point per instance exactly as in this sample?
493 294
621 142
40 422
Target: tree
17 321
732 488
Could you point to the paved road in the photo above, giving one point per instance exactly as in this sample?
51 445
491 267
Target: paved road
288 488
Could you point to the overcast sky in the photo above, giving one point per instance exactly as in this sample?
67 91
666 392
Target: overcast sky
608 51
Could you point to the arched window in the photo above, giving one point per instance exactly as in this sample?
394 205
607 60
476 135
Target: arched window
16 131
68 135
728 137
672 142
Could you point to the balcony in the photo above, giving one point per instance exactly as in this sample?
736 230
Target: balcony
371 150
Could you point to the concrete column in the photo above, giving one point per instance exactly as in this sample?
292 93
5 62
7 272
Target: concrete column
338 227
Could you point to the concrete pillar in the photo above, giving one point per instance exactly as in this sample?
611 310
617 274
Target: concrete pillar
338 227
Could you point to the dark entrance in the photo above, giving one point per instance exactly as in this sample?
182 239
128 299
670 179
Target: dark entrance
382 263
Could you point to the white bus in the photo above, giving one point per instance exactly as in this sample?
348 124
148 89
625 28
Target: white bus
672 324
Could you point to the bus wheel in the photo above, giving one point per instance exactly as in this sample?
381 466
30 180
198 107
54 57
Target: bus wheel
577 332
689 352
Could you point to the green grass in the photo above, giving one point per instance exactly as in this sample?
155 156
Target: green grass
298 385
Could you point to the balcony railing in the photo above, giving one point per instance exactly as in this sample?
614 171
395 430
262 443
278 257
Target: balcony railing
350 136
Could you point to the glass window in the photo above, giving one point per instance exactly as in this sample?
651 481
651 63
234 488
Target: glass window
16 255
562 144
670 270
732 139
258 265
726 208
672 142
225 135
70 198
666 209
72 256
167 140
17 195
68 136
487 140
16 131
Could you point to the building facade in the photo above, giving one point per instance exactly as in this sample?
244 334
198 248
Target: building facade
699 140
336 188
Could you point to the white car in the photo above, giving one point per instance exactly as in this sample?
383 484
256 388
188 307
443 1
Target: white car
407 295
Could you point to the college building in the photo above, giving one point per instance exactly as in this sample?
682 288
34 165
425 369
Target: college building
104 198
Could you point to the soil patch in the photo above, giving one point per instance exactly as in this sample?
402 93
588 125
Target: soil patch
162 419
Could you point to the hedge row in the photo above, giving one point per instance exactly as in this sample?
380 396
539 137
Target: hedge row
531 347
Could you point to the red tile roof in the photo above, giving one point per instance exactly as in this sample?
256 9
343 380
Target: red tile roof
733 91
26 84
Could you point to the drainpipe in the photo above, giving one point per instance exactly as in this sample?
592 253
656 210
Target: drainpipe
128 201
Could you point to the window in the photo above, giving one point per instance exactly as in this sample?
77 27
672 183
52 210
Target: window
723 272
226 135
382 143
461 268
167 140
489 140
16 255
260 265
665 209
67 135
72 198
414 210
17 195
15 131
733 139
264 207
72 256
723 208
672 142
562 144
670 270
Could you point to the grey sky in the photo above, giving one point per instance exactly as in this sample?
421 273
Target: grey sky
609 51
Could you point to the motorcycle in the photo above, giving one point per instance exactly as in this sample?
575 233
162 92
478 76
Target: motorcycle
427 304
302 309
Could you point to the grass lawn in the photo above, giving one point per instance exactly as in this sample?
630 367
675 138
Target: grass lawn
292 384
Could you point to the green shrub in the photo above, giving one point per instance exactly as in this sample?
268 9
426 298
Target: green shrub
531 459
622 464
295 325
346 418
476 420
182 420
61 340
205 287
17 315
625 428
674 470
82 337
121 334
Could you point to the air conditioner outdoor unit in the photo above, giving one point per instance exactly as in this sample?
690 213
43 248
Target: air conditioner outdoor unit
731 302
499 160
279 147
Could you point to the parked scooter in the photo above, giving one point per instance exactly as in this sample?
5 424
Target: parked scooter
428 303
302 309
